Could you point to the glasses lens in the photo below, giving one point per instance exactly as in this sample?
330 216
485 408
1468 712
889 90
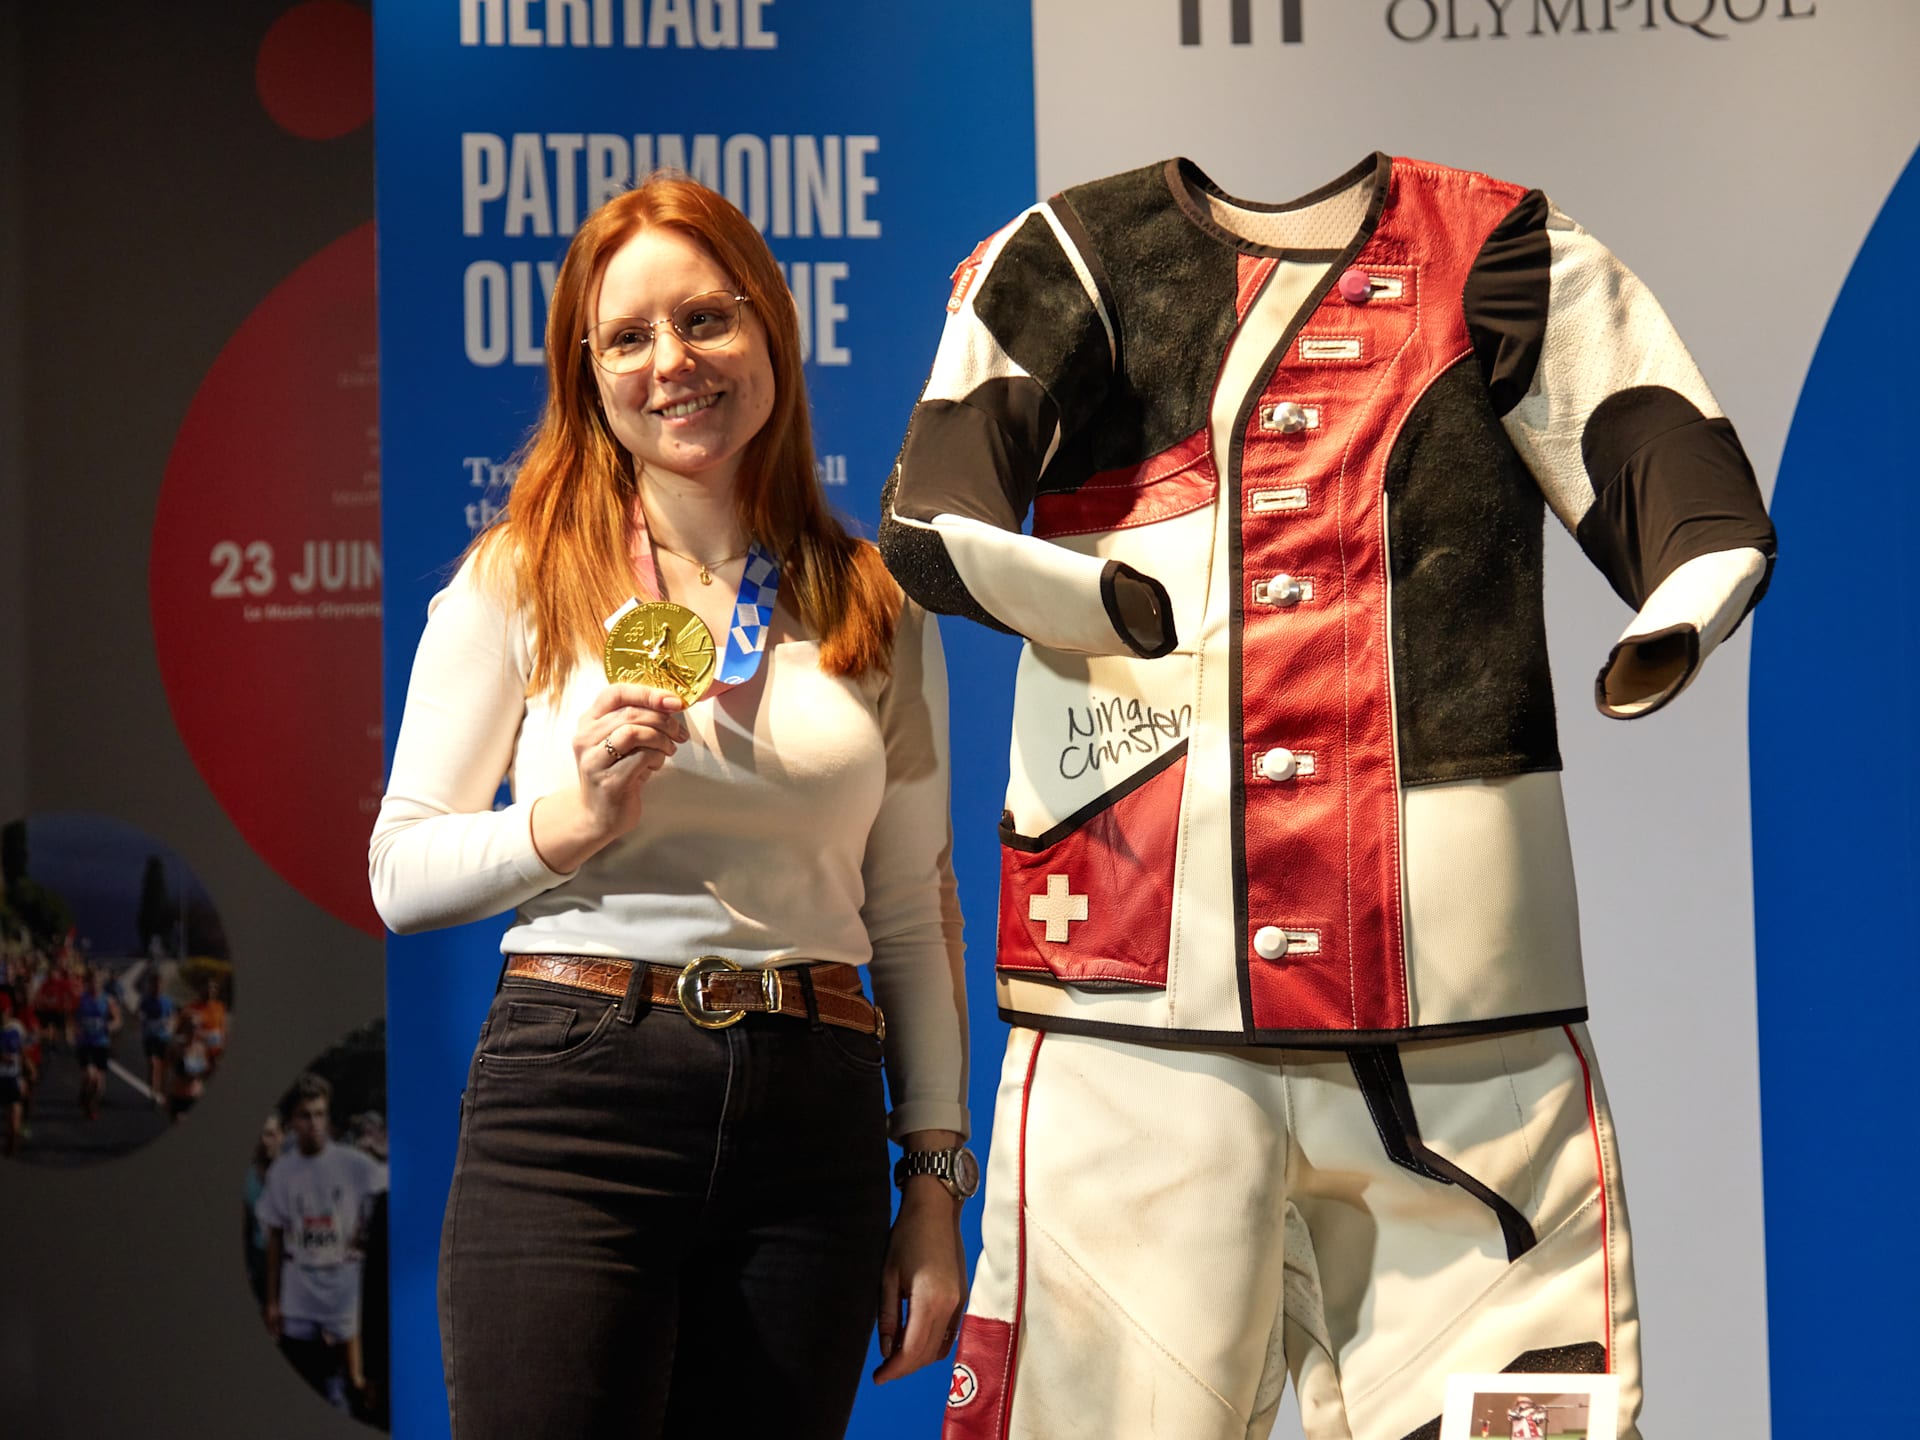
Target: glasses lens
623 344
705 321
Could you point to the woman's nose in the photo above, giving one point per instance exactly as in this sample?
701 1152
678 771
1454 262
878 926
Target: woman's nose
671 354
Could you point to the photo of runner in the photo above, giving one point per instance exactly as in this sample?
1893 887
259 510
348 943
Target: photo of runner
116 988
316 1227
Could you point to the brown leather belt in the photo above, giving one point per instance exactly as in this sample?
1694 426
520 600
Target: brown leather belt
714 992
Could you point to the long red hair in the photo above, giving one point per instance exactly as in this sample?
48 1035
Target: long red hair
565 538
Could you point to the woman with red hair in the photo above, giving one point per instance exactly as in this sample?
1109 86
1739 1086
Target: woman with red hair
669 1212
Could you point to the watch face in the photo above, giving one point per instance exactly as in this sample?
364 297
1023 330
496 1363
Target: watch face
966 1171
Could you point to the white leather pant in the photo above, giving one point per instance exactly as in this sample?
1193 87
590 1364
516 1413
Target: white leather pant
1169 1233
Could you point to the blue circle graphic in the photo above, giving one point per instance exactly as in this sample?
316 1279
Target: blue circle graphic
1836 769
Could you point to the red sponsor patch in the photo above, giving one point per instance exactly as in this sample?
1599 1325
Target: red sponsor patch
962 283
964 273
963 1388
978 1392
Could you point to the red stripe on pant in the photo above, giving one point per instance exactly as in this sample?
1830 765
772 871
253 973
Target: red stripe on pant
1600 1175
980 1394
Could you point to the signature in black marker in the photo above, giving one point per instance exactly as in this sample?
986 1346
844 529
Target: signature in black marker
1120 728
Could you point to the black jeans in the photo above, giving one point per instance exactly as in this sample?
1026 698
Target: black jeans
655 1229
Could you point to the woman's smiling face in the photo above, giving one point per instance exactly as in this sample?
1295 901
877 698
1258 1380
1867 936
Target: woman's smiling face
686 412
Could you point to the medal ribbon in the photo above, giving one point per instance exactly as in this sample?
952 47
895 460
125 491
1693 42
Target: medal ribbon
752 617
752 613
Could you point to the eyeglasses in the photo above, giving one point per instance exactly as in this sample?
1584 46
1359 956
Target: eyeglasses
703 322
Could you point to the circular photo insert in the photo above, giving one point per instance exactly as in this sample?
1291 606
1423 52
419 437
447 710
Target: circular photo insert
317 1224
116 989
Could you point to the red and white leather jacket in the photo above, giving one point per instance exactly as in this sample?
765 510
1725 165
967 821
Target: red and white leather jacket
1284 765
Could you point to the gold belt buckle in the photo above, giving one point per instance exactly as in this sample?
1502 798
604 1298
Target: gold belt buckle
686 990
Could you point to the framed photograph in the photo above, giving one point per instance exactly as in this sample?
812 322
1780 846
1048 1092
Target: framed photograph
1531 1407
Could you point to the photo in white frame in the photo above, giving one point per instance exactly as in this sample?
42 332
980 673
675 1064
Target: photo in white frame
1531 1407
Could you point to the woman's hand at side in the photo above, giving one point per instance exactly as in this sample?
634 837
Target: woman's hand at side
925 1277
623 739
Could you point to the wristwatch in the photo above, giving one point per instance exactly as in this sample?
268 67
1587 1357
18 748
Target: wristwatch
954 1168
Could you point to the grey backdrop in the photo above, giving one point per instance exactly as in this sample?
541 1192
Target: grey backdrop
140 180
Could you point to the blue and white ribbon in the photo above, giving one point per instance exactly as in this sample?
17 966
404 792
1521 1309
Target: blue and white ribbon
752 617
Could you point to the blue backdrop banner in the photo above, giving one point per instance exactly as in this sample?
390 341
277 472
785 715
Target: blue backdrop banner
873 144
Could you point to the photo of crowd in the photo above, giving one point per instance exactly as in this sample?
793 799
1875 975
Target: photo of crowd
316 1225
116 989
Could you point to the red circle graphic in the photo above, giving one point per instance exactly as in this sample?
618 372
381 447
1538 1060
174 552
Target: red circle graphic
314 69
264 578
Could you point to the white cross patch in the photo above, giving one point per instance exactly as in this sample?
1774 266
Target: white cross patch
1058 907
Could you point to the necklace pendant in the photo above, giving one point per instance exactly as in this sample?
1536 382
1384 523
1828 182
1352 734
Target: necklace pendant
706 576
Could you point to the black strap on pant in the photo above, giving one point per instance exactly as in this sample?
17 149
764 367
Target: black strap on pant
804 974
1383 1083
634 1003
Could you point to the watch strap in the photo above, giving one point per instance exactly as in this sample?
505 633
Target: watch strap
942 1164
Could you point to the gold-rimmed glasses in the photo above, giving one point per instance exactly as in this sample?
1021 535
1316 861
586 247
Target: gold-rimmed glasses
703 322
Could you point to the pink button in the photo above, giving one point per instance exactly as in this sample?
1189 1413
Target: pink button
1356 287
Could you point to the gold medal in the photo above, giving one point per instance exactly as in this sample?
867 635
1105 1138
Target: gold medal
659 643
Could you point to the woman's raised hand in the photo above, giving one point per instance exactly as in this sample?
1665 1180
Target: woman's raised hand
622 740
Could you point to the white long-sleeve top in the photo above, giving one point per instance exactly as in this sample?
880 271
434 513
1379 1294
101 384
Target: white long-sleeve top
805 818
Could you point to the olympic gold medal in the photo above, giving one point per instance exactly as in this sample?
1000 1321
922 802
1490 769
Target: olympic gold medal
661 644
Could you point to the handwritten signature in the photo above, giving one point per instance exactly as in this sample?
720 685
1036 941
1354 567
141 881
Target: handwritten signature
1107 732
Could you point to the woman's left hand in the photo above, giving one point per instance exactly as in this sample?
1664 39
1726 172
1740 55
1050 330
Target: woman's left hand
925 1277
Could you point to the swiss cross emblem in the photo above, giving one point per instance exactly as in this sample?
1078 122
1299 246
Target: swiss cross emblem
962 1388
1059 907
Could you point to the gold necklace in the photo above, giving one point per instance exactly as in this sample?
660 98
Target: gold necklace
706 566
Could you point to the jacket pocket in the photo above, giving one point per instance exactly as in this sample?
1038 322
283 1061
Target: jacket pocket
1088 902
